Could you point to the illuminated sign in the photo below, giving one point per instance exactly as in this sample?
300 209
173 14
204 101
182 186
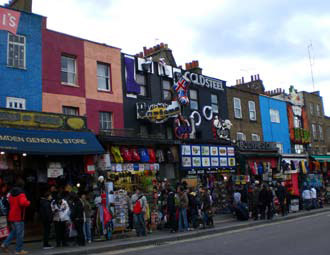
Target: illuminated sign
9 20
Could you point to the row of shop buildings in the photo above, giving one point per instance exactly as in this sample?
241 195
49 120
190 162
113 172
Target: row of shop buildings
73 109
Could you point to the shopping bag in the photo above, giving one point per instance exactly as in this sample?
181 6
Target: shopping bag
4 229
72 230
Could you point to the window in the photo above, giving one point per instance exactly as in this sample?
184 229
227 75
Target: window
167 94
103 77
299 148
69 110
314 131
68 70
255 138
214 103
193 94
318 112
252 110
240 136
321 132
311 108
297 122
15 103
274 116
141 80
105 120
237 108
280 147
16 51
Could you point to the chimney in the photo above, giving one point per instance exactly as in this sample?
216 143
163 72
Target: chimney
20 5
251 77
242 80
258 77
194 67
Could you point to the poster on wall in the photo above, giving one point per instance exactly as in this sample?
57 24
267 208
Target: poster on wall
214 161
196 162
186 161
54 170
205 150
222 151
186 150
206 162
196 150
214 151
223 162
231 151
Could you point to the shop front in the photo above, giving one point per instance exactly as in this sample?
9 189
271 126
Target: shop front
320 165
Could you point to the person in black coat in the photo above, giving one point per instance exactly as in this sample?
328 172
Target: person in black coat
46 216
77 217
266 201
171 211
281 195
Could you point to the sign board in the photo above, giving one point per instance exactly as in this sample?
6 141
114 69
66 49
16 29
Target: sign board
204 81
9 20
54 170
257 146
157 113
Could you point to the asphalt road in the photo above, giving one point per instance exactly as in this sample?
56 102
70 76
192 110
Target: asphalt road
303 236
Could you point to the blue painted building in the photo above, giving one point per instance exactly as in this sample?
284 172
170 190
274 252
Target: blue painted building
20 65
275 125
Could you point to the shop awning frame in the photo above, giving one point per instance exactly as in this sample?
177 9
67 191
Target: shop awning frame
322 158
46 142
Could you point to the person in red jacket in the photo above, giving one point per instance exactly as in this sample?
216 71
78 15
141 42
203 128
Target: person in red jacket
17 205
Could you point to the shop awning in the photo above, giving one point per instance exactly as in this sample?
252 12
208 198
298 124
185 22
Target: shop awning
324 158
44 142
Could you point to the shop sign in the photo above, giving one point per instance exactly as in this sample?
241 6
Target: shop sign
54 170
41 120
9 20
207 156
259 146
203 81
157 113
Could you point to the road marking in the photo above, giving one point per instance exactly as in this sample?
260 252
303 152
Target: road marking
170 243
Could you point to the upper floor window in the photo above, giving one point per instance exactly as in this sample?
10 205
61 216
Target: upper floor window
318 111
16 51
166 87
275 116
16 103
297 122
240 136
299 148
280 147
252 110
69 110
193 95
237 108
105 119
255 138
214 103
311 108
68 70
103 77
321 132
314 131
141 80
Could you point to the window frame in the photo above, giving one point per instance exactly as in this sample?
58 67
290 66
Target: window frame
311 108
108 121
237 108
253 110
243 136
194 100
145 85
166 90
109 85
17 44
75 84
280 147
276 120
213 104
255 135
17 100
314 131
73 108
318 110
321 135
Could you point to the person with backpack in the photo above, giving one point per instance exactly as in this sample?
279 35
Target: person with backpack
46 216
138 207
17 205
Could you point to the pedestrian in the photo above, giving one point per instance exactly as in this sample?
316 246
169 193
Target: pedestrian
46 216
171 210
255 202
61 218
307 197
138 207
314 198
205 208
237 197
88 217
183 205
78 218
266 201
192 209
17 205
281 196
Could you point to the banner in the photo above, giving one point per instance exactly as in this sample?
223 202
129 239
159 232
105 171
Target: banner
9 20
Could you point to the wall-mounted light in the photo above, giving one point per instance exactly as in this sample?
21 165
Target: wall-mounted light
24 154
78 185
2 153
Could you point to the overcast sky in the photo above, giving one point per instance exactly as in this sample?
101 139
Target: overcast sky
230 38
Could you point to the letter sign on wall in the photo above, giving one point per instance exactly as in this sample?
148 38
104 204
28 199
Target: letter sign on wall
9 20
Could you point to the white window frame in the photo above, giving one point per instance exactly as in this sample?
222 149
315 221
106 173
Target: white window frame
314 131
299 148
167 90
75 84
242 135
318 110
252 109
17 44
280 147
311 108
215 105
11 101
321 132
70 110
107 78
296 122
143 84
194 99
105 124
237 108
274 116
255 137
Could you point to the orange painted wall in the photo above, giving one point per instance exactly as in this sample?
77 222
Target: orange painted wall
100 53
54 103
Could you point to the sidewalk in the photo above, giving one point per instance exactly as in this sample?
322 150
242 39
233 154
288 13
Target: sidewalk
223 223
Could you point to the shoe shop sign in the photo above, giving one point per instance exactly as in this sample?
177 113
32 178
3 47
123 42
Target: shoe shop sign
9 20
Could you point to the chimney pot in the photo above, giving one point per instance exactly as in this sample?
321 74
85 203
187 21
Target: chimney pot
258 77
197 63
166 46
242 80
162 45
251 77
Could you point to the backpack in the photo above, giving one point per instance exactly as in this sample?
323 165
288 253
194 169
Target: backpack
137 208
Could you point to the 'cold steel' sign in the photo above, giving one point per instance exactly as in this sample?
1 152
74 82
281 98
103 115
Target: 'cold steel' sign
202 80
9 20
